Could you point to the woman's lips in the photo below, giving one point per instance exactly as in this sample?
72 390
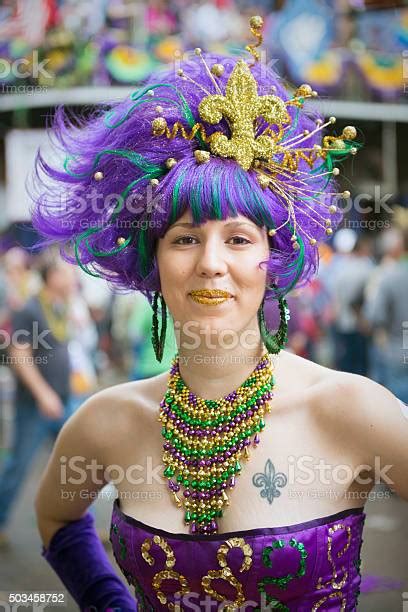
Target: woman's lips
210 296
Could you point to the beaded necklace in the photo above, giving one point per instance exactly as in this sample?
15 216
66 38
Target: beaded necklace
205 440
56 316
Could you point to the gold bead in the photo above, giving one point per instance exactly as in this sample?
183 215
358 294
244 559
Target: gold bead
202 157
345 194
159 109
180 72
256 22
150 93
338 144
327 222
319 121
217 70
98 176
272 232
121 240
306 132
336 171
293 238
170 162
329 231
159 125
263 180
312 241
332 119
314 94
349 132
154 182
353 150
197 51
303 90
332 208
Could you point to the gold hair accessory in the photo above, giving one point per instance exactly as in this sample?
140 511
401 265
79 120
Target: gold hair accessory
273 154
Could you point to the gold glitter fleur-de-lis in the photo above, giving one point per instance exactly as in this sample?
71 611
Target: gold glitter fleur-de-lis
242 106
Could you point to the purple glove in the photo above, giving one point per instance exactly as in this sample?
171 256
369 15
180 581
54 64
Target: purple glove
78 557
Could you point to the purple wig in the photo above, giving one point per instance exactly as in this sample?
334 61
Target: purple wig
103 209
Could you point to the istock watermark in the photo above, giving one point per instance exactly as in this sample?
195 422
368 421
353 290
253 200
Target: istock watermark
24 67
78 470
25 338
309 470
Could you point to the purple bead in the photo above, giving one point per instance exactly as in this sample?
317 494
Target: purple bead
256 439
187 493
233 449
174 486
250 413
208 462
193 527
201 495
223 485
201 463
166 446
232 482
227 453
194 495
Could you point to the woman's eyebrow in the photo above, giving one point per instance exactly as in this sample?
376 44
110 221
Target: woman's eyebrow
231 224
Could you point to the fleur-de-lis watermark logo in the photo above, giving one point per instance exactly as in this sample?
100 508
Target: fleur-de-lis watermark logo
241 105
269 481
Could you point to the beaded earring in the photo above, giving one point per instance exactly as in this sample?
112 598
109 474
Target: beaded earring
275 342
158 341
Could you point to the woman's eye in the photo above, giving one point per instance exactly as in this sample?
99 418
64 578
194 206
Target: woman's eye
240 238
184 240
191 239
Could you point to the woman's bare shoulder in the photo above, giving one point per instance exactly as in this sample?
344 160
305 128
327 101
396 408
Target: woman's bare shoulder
113 409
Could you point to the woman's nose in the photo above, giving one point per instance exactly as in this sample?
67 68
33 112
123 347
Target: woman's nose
211 260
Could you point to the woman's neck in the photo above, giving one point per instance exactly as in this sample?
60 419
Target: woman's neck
213 373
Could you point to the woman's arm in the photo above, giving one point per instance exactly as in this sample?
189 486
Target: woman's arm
71 544
375 422
73 468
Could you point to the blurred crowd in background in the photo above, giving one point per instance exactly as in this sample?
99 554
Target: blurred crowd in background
337 46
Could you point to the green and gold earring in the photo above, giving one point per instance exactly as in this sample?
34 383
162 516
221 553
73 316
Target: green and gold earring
274 343
158 340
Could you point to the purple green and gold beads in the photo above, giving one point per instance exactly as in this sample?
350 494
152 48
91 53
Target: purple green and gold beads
206 440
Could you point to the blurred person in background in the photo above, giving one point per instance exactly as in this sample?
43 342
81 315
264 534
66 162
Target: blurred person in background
39 356
391 249
348 284
387 316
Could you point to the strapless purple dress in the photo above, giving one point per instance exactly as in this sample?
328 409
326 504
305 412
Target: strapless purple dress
305 567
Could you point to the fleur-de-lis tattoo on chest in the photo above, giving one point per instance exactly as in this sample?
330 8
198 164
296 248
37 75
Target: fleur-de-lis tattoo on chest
268 481
242 106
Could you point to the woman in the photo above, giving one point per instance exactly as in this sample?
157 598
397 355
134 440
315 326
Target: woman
251 492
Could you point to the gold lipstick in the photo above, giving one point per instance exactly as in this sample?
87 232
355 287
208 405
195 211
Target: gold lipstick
210 296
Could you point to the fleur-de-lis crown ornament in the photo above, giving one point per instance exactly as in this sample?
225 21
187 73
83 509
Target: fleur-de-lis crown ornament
281 159
242 106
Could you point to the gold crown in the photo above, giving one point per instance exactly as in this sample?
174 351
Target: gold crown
273 155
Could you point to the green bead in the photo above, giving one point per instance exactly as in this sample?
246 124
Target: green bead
169 471
187 516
